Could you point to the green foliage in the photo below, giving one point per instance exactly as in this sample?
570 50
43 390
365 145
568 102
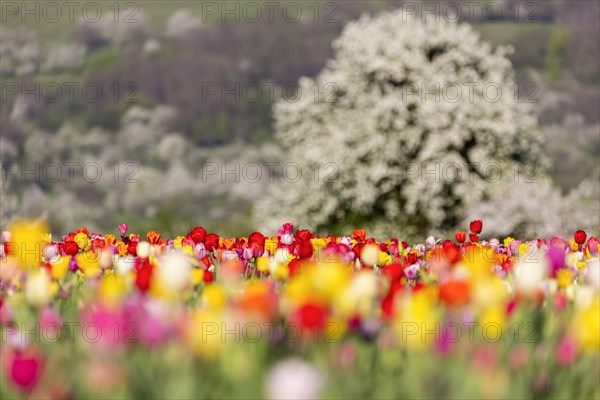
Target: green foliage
555 61
528 40
102 59
210 130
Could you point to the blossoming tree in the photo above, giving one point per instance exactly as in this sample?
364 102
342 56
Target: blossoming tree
411 121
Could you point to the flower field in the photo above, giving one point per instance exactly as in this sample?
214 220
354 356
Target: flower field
295 315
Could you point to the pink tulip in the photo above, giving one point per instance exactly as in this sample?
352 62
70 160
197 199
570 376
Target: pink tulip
518 357
560 301
566 352
50 324
593 246
25 368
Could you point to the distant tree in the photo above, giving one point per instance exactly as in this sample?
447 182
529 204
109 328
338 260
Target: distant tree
414 118
581 17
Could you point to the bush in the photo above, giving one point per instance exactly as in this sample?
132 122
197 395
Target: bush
375 121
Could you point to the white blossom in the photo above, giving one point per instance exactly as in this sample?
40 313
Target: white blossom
374 120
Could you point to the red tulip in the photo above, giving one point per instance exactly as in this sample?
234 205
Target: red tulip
311 316
476 226
357 249
473 237
411 258
393 271
305 249
580 237
198 234
144 274
98 243
303 235
209 276
10 248
294 266
257 242
359 235
452 253
211 242
460 237
70 248
132 248
387 304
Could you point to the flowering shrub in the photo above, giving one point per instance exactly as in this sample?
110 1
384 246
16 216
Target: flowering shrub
296 315
402 106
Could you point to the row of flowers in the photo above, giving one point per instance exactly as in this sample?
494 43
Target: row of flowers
295 289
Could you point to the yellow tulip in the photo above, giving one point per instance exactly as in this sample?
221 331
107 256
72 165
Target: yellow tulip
83 241
37 289
28 241
213 296
60 268
89 263
196 276
262 264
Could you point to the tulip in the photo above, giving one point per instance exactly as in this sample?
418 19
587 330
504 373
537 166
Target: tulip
566 352
455 292
287 238
518 357
37 290
198 234
26 368
370 255
50 252
174 271
359 235
476 226
70 248
556 257
143 249
529 274
294 379
27 240
592 277
592 246
153 237
310 316
143 276
580 237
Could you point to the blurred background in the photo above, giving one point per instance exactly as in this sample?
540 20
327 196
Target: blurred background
114 116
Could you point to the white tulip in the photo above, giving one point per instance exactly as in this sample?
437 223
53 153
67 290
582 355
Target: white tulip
124 264
143 249
593 274
370 255
530 274
174 270
294 379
